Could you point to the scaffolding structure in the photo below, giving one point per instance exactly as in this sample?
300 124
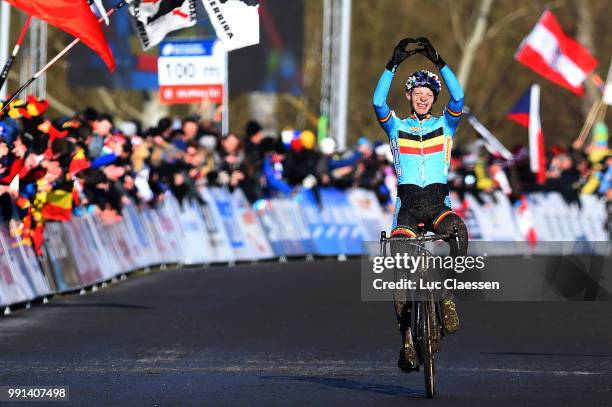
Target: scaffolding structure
335 53
35 58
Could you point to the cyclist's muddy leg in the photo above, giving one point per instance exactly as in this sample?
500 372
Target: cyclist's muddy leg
404 226
458 247
447 225
401 301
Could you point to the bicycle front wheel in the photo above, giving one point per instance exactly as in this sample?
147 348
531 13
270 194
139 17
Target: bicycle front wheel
428 351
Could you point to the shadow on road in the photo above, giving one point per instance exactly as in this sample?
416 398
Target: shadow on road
579 355
98 304
342 383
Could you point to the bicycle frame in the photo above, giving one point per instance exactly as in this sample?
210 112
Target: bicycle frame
426 325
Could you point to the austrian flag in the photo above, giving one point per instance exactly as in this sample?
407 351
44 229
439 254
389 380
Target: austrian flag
555 56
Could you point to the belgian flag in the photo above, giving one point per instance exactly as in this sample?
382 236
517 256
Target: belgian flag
79 162
58 205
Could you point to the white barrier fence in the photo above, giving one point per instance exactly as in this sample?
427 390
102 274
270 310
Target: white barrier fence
226 229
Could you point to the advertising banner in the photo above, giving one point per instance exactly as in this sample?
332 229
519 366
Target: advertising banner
24 259
593 217
191 71
11 291
236 22
88 268
219 241
229 217
263 209
494 216
61 260
164 251
322 225
368 211
196 245
106 258
225 228
293 229
255 237
155 19
350 231
142 238
169 228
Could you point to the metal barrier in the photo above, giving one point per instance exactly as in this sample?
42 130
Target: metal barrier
222 227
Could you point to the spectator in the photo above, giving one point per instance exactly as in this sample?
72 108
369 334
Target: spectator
83 164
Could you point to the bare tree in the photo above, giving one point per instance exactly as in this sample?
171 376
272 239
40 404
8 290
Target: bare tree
473 41
584 36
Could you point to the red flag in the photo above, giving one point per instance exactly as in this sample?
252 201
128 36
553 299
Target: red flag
73 16
555 56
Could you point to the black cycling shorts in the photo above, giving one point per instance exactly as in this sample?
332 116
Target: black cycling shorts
421 205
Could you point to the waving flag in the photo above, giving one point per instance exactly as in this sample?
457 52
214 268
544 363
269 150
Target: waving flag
492 144
154 19
555 56
607 93
525 220
58 205
236 22
73 16
526 112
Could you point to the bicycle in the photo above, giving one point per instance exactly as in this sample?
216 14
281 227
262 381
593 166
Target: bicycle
426 324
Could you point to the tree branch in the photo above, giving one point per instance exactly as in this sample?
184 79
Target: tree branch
504 21
456 25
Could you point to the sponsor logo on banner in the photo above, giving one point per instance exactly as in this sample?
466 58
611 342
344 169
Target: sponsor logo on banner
191 71
236 22
191 94
154 19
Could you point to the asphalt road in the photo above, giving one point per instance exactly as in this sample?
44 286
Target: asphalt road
296 334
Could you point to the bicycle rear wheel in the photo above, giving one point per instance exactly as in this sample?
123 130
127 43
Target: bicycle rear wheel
428 351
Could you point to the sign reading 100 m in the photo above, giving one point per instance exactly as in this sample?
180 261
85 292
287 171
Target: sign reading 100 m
190 71
177 70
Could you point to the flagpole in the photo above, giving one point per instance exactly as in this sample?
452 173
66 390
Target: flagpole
57 57
5 29
605 97
588 124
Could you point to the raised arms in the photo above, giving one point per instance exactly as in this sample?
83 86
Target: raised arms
383 112
452 113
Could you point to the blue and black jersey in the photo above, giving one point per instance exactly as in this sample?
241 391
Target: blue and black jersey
421 148
421 154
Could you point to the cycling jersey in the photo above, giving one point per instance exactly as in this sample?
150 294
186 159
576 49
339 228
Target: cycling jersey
421 148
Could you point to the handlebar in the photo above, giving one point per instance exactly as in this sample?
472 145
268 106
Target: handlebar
422 238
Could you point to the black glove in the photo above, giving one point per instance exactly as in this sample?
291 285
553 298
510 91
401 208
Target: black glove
400 54
429 52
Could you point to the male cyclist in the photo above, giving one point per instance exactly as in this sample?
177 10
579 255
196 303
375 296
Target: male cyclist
421 146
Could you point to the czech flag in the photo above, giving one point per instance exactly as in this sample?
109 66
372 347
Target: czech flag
557 57
526 112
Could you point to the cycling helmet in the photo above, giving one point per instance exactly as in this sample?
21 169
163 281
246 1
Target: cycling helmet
427 79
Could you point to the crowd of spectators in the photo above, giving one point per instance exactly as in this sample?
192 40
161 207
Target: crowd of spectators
53 170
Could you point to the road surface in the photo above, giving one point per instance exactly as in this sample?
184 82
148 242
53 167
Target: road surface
296 334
